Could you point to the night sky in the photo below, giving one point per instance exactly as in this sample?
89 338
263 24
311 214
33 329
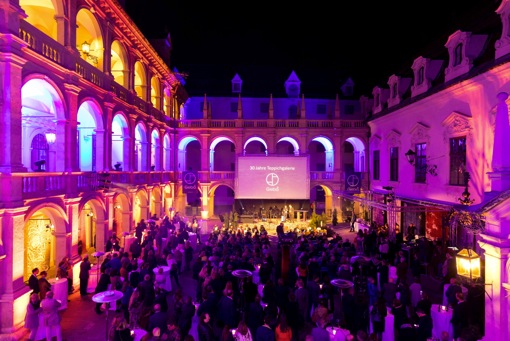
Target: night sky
264 41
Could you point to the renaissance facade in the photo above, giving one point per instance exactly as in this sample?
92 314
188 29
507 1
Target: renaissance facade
97 131
438 151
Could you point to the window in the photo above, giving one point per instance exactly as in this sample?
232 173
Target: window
39 151
293 112
233 106
458 55
420 165
376 165
377 100
395 92
264 108
457 160
421 74
394 164
321 109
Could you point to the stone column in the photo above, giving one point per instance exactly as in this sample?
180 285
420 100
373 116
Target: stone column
72 210
71 128
12 267
500 175
497 271
10 113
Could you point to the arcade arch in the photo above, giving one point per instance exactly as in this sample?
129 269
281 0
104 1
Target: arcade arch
222 155
255 145
44 239
90 136
120 142
43 116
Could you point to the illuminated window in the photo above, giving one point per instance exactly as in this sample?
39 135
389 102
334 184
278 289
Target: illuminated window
457 160
421 76
394 164
376 165
420 166
458 55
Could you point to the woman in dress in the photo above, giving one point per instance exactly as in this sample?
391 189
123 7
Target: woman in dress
44 285
135 309
283 332
32 315
243 332
119 330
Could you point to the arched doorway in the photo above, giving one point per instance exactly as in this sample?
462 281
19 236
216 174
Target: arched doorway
45 239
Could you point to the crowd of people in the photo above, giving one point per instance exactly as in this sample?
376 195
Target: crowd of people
294 298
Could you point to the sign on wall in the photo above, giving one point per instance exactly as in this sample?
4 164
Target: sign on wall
189 182
352 182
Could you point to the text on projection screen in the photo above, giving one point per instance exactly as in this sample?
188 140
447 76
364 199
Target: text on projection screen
266 177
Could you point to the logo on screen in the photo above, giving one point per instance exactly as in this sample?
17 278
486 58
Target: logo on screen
272 179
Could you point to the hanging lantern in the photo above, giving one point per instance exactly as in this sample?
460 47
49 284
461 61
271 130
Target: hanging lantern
468 264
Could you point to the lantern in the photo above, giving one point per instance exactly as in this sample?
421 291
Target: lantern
468 264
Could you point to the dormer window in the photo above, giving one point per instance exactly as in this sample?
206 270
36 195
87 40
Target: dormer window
507 25
377 100
394 91
237 84
421 76
457 55
463 49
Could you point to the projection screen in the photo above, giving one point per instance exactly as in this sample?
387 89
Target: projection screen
272 177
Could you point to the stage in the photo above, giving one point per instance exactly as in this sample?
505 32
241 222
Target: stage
269 224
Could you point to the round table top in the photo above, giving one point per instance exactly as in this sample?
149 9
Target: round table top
165 268
342 283
98 254
241 273
107 296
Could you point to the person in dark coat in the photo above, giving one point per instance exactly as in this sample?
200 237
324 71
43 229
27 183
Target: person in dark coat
204 328
84 275
314 292
460 315
400 316
135 249
102 285
254 315
424 326
302 299
33 281
226 309
452 291
185 318
147 291
348 304
264 332
157 319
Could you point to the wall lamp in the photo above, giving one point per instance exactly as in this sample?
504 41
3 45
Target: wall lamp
50 137
85 49
468 268
411 158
